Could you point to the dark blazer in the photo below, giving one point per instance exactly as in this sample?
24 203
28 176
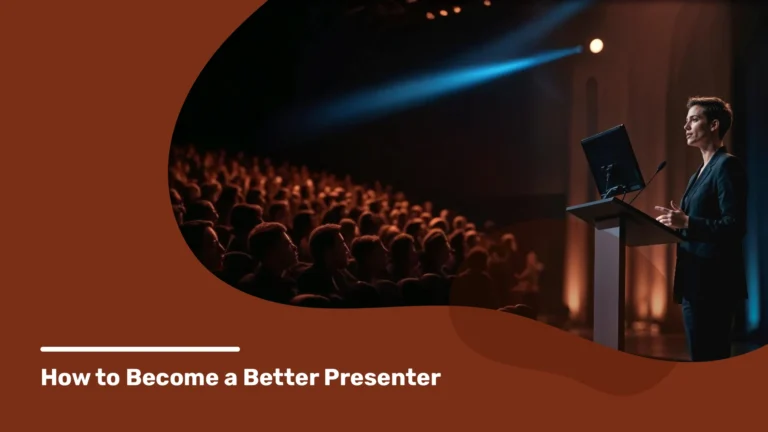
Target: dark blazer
710 260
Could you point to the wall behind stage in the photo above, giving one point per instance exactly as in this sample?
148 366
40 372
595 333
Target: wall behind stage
750 93
643 80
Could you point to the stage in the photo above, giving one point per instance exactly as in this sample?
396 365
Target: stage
671 347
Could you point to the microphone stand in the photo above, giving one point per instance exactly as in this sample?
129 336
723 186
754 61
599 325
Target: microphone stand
661 167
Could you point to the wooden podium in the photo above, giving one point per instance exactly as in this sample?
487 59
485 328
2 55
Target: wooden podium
617 225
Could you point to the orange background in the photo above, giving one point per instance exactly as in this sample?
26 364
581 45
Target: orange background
91 95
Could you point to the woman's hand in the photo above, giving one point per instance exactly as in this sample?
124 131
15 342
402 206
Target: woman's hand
673 217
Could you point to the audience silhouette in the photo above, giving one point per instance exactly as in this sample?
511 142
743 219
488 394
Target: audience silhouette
290 236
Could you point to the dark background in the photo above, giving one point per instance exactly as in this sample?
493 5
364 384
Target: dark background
473 150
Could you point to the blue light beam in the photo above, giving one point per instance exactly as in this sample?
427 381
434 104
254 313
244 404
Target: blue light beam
406 94
512 44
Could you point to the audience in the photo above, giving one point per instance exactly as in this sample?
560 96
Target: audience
244 218
273 250
204 243
330 257
474 286
254 225
404 259
370 258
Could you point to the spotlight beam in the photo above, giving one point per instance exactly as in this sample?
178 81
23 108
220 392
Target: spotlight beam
416 91
513 43
493 60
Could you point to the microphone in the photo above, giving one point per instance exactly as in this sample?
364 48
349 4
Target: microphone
661 167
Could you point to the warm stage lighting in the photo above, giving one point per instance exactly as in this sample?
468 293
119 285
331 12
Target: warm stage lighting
487 2
596 46
430 15
444 12
456 9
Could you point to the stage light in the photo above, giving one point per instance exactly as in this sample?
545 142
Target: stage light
414 90
430 15
444 12
487 2
456 9
515 42
410 1
596 46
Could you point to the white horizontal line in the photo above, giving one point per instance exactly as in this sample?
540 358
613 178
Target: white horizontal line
138 349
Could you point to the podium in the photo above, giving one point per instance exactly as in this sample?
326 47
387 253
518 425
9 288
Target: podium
617 226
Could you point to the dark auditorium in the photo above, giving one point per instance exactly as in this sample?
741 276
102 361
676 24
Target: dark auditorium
410 153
